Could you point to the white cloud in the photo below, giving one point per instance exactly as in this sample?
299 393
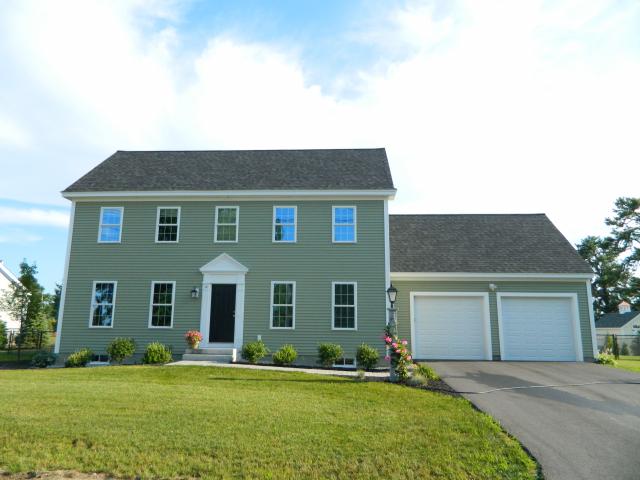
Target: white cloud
18 236
493 106
33 217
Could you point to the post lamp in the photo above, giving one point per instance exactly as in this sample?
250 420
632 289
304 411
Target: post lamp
392 293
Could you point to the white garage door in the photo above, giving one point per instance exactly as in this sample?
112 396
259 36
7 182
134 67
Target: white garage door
538 328
451 326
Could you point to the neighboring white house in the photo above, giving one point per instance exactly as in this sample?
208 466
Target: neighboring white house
625 322
6 279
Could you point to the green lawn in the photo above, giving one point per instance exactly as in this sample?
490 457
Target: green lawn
221 423
629 363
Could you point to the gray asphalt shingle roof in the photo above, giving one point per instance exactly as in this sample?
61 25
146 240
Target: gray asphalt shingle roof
481 244
348 169
615 319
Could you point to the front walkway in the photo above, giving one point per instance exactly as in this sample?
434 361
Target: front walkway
382 375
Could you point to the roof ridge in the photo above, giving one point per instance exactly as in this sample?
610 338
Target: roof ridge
255 150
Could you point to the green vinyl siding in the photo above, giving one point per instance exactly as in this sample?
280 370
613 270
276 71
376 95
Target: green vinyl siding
313 262
405 287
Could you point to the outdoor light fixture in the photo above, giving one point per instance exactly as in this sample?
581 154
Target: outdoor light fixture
392 292
195 292
492 287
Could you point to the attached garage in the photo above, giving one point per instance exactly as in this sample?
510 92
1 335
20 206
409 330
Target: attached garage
538 327
451 326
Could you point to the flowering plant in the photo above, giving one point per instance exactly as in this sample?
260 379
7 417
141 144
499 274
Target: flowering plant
193 338
398 354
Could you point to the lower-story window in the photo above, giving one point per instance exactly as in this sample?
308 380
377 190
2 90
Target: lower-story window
344 305
345 363
103 301
162 303
283 304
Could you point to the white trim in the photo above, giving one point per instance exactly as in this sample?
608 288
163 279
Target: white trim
387 259
177 240
215 224
223 269
574 312
100 225
236 194
113 303
486 316
8 273
355 363
592 323
173 303
355 305
354 224
271 305
65 279
295 224
455 276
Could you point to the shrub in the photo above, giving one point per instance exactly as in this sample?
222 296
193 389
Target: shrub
3 334
425 371
253 352
367 356
285 356
624 350
79 358
329 353
121 348
606 359
635 345
43 359
157 353
616 348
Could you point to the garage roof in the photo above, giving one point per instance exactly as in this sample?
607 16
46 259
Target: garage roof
481 244
211 170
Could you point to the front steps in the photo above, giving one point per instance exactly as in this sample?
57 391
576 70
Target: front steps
217 355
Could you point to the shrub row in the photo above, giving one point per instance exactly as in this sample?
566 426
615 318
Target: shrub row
328 354
119 350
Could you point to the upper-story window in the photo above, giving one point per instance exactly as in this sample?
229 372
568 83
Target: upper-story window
344 224
110 230
103 301
284 224
226 224
168 225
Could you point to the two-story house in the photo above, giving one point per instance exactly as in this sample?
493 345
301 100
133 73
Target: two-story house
297 246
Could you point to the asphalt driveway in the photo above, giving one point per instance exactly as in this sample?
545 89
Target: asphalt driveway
580 420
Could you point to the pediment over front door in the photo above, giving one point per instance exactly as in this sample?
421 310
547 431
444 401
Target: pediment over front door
223 264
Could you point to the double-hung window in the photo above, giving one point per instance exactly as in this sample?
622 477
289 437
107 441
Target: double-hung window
344 224
162 304
344 304
283 305
284 224
110 229
103 302
168 225
226 224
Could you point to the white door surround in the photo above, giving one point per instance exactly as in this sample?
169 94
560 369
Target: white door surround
557 336
223 269
471 312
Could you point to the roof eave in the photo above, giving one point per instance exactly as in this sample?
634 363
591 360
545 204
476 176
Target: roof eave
512 276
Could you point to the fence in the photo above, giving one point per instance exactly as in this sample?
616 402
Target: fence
20 348
627 344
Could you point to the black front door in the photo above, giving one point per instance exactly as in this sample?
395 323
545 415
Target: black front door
223 313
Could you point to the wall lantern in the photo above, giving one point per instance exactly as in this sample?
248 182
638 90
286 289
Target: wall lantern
195 292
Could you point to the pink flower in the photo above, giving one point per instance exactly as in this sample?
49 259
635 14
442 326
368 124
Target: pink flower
408 357
394 345
387 339
387 358
404 342
398 350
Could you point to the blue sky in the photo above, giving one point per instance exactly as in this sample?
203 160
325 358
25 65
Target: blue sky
493 106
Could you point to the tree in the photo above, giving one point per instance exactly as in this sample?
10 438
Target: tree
614 258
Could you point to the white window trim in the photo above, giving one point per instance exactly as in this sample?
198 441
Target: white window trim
333 305
295 224
173 303
271 305
100 225
355 363
237 224
334 224
113 303
169 224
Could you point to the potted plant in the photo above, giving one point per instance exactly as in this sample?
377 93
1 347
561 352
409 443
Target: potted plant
193 338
